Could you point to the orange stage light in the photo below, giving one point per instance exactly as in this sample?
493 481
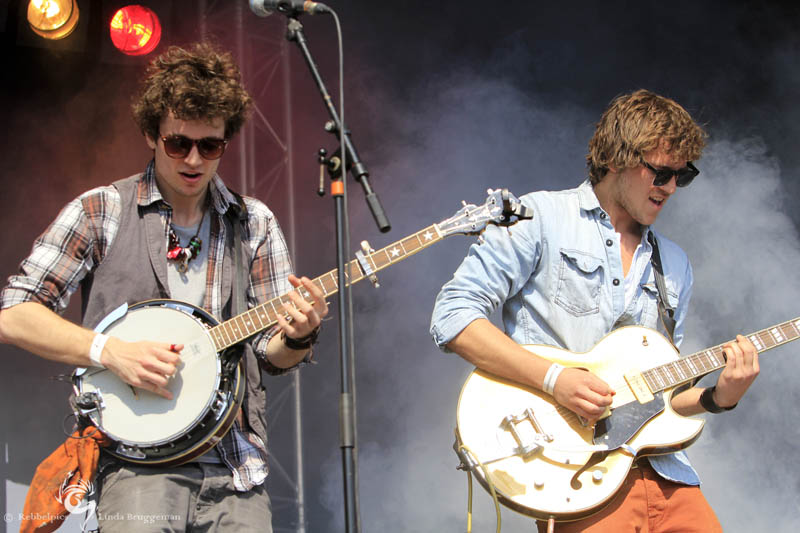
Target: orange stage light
135 30
53 19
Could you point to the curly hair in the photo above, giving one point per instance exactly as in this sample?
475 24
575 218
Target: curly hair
639 122
199 83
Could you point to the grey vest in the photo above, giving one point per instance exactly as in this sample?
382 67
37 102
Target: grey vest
135 269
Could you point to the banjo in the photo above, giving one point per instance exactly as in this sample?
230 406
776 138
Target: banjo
208 388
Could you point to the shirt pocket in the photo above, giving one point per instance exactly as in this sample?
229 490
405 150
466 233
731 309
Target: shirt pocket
580 280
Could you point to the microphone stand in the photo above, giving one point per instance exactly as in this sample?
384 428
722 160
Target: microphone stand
347 406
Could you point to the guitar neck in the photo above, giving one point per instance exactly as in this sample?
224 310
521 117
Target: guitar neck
689 368
265 315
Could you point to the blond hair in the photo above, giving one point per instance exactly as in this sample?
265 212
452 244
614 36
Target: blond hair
637 123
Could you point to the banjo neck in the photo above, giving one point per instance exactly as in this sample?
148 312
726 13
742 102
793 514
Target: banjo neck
265 315
501 208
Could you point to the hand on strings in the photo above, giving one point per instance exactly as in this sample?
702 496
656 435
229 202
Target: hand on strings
583 393
144 364
305 314
741 369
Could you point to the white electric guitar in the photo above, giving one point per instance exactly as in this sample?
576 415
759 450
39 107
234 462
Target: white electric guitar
543 460
209 386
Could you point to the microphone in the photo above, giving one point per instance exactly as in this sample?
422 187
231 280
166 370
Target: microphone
290 8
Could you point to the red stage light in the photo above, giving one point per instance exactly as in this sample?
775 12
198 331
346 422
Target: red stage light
135 30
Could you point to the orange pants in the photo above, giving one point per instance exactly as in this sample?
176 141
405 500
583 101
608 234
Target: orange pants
648 503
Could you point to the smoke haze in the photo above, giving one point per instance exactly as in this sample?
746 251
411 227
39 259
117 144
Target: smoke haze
445 100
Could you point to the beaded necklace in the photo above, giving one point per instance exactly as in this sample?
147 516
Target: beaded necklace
182 255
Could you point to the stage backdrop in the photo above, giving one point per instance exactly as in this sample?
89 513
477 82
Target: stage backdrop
444 100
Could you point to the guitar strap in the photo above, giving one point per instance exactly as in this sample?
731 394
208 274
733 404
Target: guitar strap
665 311
237 215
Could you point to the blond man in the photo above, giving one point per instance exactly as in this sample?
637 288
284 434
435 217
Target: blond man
582 268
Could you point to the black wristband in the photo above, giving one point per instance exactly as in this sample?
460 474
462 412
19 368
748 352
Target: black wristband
708 403
303 343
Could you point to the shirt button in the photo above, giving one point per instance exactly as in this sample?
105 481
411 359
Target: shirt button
615 282
603 216
609 242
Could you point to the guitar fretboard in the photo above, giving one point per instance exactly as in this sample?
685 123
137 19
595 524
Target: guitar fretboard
706 361
266 315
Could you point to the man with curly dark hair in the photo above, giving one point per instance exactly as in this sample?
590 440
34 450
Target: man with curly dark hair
176 232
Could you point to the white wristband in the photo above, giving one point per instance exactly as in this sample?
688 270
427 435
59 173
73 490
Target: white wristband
97 348
550 378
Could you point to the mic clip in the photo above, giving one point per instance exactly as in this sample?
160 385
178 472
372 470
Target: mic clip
332 164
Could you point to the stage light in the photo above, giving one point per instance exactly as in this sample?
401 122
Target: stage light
53 19
135 30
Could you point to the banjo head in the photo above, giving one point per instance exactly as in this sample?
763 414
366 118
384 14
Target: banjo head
139 418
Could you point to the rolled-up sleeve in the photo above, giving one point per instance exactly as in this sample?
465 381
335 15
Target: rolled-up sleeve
493 271
65 252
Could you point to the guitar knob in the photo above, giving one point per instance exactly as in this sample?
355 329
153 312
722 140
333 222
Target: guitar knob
597 476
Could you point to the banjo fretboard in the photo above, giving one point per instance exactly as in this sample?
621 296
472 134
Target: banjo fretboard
266 315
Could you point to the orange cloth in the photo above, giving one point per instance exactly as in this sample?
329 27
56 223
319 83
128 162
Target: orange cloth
73 464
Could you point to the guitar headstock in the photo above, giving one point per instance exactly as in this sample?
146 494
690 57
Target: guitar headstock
501 208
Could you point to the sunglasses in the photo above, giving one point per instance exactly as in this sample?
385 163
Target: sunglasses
179 146
683 176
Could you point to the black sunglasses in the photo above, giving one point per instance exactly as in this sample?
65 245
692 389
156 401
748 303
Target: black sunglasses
683 176
179 146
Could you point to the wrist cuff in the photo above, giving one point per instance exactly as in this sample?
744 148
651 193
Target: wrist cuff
303 343
708 403
98 343
550 378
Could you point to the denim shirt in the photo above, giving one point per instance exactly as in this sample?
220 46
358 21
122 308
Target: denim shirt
560 282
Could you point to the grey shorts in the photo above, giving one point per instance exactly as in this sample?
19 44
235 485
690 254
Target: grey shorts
195 497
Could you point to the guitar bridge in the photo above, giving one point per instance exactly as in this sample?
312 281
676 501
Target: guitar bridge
510 423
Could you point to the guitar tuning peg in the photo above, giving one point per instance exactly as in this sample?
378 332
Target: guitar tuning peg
481 240
463 203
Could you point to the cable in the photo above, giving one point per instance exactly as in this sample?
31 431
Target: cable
489 482
347 288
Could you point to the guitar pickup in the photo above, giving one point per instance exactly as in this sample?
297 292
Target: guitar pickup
639 387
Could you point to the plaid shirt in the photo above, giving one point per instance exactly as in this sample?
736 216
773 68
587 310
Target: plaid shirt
78 239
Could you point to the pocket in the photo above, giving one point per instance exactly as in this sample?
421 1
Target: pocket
580 280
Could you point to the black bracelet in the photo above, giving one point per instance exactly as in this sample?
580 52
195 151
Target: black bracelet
708 403
303 343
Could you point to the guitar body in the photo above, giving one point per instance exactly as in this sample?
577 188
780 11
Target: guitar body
147 428
535 471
